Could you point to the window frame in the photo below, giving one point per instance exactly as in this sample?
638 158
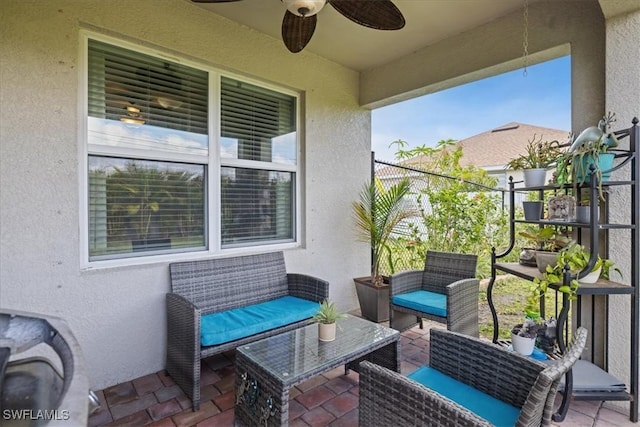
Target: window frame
213 162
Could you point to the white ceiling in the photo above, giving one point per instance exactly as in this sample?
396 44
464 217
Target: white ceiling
360 48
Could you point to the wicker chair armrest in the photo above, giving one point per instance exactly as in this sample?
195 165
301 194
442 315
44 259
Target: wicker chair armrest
462 306
387 398
464 286
183 325
308 287
503 374
405 281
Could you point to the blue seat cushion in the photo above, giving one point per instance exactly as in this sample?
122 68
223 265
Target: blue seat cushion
230 325
485 406
424 301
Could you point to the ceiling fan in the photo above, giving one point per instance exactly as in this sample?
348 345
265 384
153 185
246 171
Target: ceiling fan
300 19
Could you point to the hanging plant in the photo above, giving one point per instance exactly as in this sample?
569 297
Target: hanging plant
587 155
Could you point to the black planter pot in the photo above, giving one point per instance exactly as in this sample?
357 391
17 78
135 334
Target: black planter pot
374 300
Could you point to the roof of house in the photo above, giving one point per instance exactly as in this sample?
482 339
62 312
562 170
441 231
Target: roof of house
496 147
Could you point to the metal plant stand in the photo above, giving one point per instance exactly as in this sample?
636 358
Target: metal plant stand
589 390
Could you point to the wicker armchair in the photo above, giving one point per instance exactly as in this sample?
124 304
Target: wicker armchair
390 399
448 274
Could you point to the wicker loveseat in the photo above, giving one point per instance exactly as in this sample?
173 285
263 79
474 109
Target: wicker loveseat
216 305
469 382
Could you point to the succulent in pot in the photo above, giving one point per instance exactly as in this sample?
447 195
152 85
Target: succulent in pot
528 329
523 336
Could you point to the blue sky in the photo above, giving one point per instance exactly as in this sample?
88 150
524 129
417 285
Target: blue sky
542 98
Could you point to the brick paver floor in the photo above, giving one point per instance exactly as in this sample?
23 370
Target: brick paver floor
330 399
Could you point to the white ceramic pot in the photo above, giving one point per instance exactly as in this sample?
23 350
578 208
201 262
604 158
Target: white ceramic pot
591 277
534 177
326 331
522 345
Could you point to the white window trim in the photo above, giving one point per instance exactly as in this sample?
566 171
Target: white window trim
213 163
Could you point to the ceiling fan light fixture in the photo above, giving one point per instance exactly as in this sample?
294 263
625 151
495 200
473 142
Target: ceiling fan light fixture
133 116
168 102
304 7
132 121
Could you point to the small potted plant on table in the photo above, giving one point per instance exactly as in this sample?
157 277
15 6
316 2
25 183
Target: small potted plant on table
326 317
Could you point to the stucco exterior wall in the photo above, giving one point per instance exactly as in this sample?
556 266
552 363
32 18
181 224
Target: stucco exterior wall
118 314
623 98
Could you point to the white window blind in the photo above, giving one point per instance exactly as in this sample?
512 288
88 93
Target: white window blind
127 85
257 124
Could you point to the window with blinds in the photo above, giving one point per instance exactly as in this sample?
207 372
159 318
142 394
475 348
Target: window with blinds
148 154
257 125
149 158
137 206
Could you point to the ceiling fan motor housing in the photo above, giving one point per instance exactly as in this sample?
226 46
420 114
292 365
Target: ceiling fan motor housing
304 7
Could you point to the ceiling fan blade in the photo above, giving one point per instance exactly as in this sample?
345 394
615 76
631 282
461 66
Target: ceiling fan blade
297 30
377 14
213 1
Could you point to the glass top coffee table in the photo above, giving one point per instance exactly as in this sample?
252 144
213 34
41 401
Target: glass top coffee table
267 369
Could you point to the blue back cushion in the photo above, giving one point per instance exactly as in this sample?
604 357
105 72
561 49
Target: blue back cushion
485 406
425 301
230 325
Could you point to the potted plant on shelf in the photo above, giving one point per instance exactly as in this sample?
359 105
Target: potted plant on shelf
576 257
538 156
378 212
588 155
548 241
583 211
532 207
326 317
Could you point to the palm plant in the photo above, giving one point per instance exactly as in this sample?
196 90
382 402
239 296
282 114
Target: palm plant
378 213
138 193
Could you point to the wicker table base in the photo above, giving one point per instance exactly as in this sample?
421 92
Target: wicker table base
267 369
